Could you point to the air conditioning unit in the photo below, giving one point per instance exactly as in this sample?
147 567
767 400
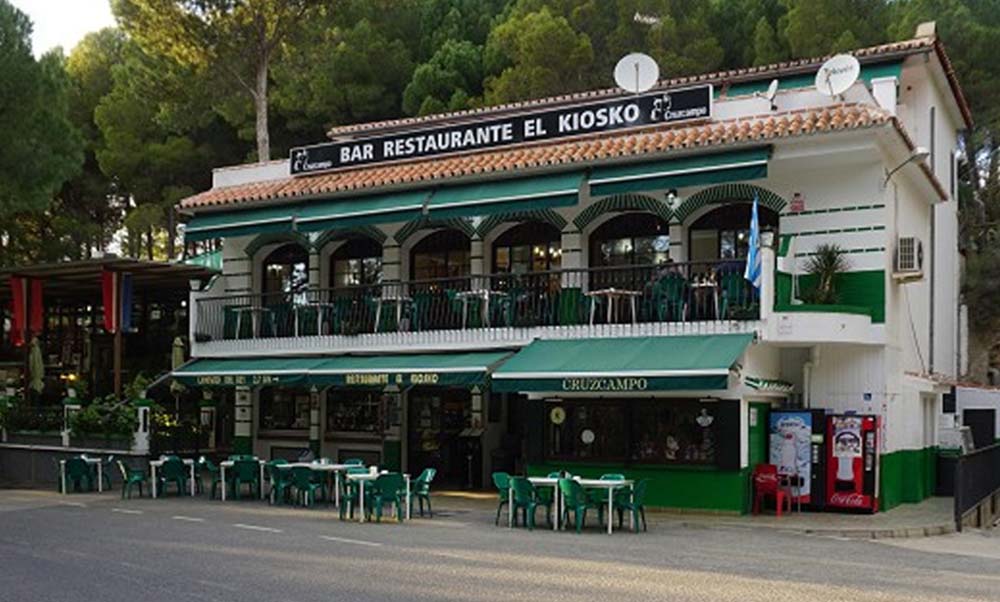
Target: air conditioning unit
908 262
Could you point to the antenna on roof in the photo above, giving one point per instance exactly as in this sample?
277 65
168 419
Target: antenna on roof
636 72
837 74
772 91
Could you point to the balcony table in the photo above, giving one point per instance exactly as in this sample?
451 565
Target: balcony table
229 464
336 469
700 290
256 314
319 307
399 300
363 478
484 309
89 461
612 295
155 464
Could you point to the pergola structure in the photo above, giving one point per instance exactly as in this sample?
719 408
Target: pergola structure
73 335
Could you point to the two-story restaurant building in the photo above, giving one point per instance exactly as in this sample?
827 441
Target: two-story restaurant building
558 283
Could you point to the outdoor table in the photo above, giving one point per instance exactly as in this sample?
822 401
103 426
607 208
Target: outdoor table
484 309
336 469
364 477
612 295
154 464
229 464
399 300
256 312
90 461
610 486
552 482
700 289
319 307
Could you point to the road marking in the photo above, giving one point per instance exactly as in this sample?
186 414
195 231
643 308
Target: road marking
359 542
137 567
126 511
256 528
190 519
74 504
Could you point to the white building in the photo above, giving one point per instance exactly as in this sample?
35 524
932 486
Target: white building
549 287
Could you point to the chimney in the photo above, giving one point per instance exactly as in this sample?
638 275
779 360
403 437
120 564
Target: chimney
927 29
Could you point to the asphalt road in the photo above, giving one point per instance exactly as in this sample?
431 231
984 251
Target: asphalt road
89 548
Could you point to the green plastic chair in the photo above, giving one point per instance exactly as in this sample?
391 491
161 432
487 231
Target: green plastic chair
305 487
349 492
389 488
669 298
599 497
172 472
107 467
501 480
246 472
206 466
636 505
279 481
575 499
734 294
420 489
131 477
527 501
77 473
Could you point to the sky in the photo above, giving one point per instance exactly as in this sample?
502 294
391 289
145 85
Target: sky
64 22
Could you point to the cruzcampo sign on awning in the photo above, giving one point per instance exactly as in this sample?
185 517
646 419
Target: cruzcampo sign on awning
403 370
623 365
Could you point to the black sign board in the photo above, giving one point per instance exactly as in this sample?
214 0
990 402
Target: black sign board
620 113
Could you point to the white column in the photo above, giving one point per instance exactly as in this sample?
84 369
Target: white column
767 282
476 264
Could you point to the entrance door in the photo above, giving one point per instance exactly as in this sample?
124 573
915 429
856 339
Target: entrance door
436 418
982 423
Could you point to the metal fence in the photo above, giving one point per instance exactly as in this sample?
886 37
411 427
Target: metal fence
672 292
977 488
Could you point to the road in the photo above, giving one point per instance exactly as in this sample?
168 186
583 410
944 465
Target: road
100 548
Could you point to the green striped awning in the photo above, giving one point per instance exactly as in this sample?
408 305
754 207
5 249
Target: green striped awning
265 220
403 206
633 364
524 194
699 170
403 370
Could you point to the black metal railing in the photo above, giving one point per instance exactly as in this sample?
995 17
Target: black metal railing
977 481
672 292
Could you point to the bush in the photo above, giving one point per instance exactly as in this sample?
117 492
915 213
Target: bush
104 418
22 416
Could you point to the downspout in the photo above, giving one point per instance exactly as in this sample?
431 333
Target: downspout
807 372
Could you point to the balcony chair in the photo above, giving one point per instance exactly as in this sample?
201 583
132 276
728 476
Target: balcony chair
669 299
735 295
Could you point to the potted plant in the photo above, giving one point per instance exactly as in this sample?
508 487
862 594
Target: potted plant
826 263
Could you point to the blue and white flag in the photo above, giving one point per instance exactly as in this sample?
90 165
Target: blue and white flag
752 272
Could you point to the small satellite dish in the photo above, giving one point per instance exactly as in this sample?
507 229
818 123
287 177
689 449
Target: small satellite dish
837 75
636 72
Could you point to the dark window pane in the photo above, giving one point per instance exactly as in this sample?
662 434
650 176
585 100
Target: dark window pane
284 409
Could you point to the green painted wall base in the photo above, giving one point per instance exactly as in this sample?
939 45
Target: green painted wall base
242 445
907 476
673 486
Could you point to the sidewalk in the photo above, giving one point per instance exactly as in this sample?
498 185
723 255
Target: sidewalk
933 516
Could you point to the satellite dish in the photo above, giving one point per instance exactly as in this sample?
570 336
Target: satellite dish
636 72
772 91
837 75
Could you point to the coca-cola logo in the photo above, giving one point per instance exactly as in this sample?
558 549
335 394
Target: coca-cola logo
850 500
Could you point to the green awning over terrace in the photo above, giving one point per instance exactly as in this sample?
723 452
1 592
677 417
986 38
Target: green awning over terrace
525 194
697 170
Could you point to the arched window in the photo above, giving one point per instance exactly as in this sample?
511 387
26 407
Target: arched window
630 239
443 254
357 262
529 247
724 232
285 270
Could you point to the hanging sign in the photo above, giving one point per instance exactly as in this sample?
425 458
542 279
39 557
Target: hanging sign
669 106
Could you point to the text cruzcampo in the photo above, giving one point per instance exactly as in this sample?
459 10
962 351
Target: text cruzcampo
605 384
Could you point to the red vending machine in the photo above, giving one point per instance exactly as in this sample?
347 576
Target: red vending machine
852 456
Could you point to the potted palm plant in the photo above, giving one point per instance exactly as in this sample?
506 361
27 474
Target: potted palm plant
825 264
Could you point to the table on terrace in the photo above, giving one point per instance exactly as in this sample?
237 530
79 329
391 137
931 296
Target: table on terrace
366 477
156 464
229 464
90 462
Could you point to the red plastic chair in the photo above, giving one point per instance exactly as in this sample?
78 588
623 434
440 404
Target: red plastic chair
766 484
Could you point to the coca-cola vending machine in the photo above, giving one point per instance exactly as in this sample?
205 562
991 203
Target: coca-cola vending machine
852 462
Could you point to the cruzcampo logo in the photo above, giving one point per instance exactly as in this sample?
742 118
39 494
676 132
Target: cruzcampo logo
605 384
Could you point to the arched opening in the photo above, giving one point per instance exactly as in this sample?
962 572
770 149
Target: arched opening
724 232
356 262
284 272
630 239
528 247
443 254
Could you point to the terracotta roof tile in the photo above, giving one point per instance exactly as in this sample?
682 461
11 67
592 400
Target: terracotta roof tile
719 78
584 151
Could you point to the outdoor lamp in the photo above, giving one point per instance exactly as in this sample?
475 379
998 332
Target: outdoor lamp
917 155
767 239
671 197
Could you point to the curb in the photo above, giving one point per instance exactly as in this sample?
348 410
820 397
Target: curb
864 533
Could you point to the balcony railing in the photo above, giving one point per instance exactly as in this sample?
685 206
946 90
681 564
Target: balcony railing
674 292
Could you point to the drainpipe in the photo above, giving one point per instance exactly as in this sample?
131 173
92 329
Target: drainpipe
807 371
